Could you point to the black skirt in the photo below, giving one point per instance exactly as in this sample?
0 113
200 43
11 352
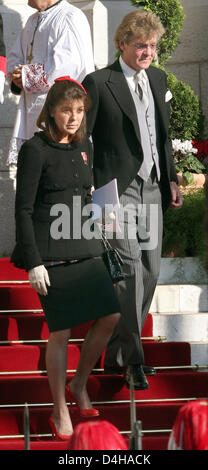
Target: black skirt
79 292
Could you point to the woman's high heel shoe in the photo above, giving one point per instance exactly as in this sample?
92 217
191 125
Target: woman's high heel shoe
55 434
85 413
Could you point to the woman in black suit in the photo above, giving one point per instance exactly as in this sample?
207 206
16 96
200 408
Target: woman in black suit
61 253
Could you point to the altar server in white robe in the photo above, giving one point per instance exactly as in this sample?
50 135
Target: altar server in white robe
56 41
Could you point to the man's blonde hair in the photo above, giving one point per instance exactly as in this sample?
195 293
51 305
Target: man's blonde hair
138 23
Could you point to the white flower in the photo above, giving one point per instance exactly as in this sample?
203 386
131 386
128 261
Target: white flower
176 143
184 147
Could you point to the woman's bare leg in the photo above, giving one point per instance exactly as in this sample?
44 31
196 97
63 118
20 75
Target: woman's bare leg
56 363
93 346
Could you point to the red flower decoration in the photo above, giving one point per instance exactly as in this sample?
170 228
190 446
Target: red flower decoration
202 147
84 156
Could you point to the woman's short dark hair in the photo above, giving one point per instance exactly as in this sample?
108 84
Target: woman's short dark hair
61 91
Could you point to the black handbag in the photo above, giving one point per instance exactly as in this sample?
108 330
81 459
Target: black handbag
112 260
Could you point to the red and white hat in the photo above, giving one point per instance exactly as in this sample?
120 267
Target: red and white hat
190 430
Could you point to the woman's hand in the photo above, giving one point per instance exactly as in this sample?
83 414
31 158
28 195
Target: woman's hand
39 278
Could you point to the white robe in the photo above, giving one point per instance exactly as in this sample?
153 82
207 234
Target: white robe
62 46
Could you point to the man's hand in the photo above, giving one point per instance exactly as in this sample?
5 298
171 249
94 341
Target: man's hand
16 76
177 199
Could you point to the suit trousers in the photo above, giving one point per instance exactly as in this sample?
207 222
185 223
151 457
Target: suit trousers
139 244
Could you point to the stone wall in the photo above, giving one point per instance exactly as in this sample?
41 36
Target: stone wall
14 15
189 63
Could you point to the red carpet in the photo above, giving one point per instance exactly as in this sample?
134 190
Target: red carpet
109 392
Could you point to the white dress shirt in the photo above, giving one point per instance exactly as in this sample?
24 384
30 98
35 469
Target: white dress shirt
130 73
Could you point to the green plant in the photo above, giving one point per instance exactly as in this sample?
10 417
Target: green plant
186 119
184 232
185 160
187 165
172 16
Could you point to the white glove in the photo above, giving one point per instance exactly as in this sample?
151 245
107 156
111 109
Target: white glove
39 278
2 81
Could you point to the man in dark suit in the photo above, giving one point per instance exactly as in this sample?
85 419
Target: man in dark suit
129 121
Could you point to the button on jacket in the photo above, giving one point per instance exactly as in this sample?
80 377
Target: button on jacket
50 173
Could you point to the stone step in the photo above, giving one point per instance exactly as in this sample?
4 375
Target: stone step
186 327
189 270
180 298
199 352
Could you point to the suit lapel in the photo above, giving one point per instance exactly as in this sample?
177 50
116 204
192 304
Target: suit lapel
118 86
158 92
120 90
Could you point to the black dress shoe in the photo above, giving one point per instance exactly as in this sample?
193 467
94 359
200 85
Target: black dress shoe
148 370
139 379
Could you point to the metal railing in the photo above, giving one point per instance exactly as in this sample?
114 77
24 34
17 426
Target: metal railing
26 421
72 340
194 367
15 282
107 402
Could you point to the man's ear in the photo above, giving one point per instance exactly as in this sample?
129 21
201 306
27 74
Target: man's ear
121 45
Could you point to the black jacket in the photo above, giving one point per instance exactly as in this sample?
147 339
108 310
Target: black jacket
51 173
113 123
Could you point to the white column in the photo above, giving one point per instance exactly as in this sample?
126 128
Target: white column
14 14
116 10
104 16
97 16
